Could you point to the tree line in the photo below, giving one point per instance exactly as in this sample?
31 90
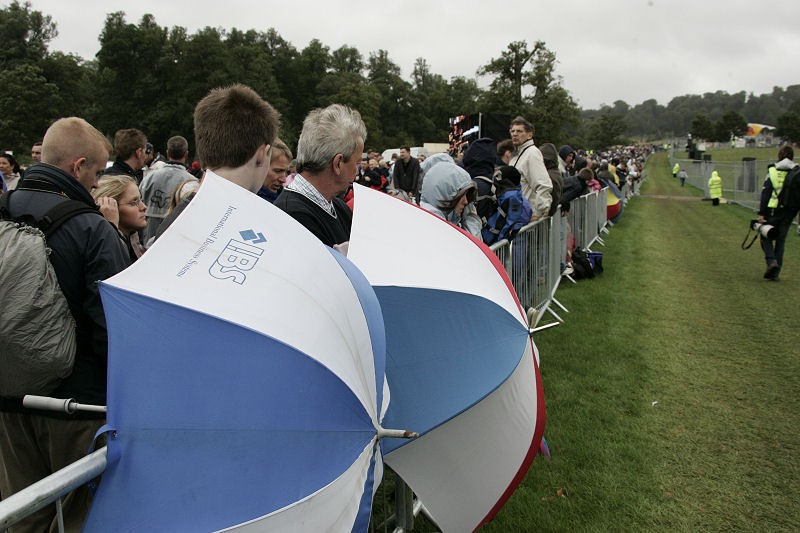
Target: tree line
150 77
711 116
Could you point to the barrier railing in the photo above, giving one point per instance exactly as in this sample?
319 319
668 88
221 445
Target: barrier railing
534 261
50 490
536 257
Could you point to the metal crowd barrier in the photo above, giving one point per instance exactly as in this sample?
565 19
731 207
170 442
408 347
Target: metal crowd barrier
536 258
50 489
741 180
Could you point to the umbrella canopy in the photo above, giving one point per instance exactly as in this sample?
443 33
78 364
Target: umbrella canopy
245 378
459 360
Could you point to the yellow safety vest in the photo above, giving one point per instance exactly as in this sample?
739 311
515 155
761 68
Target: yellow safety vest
715 186
675 169
776 177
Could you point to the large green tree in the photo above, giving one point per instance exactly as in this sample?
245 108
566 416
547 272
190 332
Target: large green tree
525 84
732 124
396 112
607 130
36 87
702 128
789 126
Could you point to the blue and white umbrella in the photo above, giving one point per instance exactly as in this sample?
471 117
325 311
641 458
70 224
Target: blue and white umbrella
246 378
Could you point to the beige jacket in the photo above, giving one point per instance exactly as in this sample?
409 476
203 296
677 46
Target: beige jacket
535 182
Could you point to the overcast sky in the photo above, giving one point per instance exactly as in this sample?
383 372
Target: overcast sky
606 50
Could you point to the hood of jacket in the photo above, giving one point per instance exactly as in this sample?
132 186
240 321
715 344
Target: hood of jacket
785 164
564 151
434 160
442 183
479 158
549 155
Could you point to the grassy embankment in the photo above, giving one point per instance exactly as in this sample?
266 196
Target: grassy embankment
672 389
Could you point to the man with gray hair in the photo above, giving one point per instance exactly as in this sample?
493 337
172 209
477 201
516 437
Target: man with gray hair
157 187
328 154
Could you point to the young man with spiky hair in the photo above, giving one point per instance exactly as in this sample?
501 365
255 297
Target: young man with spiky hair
234 129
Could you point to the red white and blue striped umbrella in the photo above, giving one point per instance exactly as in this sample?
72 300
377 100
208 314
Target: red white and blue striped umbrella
459 360
245 378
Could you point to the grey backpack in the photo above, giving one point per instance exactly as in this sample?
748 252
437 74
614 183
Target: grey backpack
37 329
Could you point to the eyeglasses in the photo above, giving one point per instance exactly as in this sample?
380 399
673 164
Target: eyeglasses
134 203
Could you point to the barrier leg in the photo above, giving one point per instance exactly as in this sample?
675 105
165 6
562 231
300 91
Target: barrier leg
549 310
404 505
559 305
545 326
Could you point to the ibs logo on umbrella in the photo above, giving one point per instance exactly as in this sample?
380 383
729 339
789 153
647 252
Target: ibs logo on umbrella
238 257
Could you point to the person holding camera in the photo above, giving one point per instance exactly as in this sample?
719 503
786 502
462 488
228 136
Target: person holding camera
770 212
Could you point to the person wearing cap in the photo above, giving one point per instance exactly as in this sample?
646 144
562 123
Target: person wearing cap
566 160
153 161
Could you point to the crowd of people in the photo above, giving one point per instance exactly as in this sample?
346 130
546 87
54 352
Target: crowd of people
488 188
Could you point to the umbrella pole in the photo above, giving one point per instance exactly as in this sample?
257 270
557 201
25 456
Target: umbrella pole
66 405
396 434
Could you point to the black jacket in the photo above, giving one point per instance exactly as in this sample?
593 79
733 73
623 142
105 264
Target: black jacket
124 169
573 188
479 162
326 228
85 249
407 176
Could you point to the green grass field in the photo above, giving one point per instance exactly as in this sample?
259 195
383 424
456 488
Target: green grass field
672 389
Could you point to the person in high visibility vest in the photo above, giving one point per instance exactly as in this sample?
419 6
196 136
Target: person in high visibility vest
770 212
675 170
715 188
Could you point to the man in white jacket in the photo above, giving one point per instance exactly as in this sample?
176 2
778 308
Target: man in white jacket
535 182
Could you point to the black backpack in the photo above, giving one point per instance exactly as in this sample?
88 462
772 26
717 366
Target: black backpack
789 197
582 265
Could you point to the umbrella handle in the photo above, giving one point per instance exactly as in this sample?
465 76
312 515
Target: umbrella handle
396 433
68 405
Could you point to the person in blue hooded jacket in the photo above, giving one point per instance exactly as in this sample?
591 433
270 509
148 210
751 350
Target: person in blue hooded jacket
448 192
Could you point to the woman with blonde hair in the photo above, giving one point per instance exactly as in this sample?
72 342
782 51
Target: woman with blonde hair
183 191
121 204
